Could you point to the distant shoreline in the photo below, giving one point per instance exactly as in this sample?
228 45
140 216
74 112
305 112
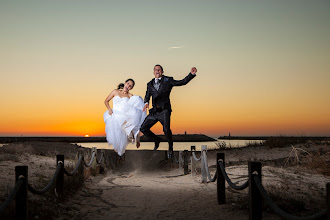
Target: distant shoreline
268 137
176 138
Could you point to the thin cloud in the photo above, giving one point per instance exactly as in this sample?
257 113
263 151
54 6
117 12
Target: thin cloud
175 47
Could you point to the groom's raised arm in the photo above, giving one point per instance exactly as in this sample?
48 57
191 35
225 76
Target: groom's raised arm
187 79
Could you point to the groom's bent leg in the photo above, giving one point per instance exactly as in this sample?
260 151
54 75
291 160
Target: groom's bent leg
166 122
150 121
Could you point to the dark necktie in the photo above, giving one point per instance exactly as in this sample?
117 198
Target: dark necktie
157 83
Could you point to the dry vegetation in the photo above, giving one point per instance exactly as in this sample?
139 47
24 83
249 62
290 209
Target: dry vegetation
15 153
41 162
295 179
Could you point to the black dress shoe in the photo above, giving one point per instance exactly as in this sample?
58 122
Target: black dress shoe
169 154
156 145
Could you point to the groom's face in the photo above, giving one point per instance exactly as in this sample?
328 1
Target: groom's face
158 72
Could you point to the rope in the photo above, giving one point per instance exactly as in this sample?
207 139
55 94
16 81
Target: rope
101 159
215 177
243 186
207 169
12 195
50 184
194 156
75 170
91 161
279 211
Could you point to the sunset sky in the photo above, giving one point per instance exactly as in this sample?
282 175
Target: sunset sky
263 66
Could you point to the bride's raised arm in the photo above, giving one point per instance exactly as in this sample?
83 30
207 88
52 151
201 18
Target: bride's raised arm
107 100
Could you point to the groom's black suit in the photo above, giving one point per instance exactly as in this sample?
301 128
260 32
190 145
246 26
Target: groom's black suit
161 104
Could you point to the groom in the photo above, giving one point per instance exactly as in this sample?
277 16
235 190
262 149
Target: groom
159 89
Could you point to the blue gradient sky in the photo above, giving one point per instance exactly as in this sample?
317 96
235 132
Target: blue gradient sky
263 66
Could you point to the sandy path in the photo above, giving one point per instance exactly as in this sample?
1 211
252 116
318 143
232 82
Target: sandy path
146 192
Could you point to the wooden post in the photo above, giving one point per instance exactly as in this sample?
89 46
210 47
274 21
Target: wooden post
117 159
192 161
107 158
203 162
114 159
328 201
60 178
185 162
111 159
166 157
94 163
102 161
81 170
21 197
80 152
191 165
255 199
102 158
180 161
221 181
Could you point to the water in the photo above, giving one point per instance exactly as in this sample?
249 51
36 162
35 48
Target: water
178 146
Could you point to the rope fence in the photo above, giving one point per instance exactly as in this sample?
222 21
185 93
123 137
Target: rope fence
194 156
89 164
12 194
49 185
22 186
101 159
204 164
75 170
204 161
231 184
258 194
277 209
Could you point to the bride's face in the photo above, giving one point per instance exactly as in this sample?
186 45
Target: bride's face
128 85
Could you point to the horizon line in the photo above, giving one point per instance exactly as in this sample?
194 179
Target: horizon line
221 136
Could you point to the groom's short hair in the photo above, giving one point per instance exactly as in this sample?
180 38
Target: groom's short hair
159 66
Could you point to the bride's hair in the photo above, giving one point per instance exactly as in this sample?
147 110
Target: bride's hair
121 85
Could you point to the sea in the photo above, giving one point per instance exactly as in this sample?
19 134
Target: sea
177 146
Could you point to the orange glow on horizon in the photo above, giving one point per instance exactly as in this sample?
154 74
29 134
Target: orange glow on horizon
181 122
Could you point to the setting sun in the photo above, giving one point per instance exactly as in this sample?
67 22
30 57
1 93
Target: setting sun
86 136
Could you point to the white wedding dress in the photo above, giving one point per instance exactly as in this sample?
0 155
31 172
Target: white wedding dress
123 126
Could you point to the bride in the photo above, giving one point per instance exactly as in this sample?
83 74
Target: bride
124 119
